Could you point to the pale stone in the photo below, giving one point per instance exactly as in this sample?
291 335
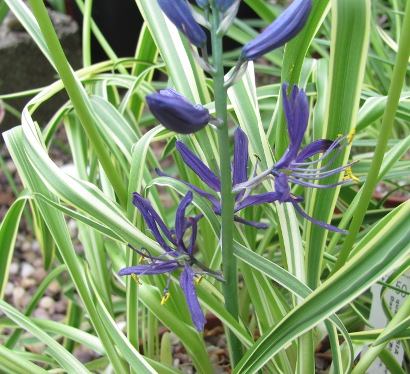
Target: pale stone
14 268
18 296
47 303
54 287
8 291
28 282
26 270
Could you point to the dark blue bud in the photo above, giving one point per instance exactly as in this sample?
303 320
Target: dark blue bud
223 5
284 28
176 113
179 13
203 3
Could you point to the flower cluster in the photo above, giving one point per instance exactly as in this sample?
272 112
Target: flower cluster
177 255
239 177
293 166
177 114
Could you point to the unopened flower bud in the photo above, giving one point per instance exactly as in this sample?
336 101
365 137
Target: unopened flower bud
283 29
223 5
203 3
176 113
180 14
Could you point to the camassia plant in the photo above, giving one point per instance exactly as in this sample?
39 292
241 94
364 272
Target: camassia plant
258 214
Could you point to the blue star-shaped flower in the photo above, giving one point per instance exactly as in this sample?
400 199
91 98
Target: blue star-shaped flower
177 255
239 176
293 166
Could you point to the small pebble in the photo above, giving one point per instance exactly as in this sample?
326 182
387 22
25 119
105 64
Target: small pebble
14 268
218 370
30 257
27 283
26 246
38 262
54 287
8 291
36 348
48 304
187 369
39 274
11 167
212 348
18 296
58 317
41 313
61 306
173 338
26 270
35 246
72 227
83 354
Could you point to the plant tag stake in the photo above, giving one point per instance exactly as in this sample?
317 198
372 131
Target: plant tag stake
394 299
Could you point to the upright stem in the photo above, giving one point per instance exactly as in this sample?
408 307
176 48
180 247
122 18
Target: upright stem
393 98
230 287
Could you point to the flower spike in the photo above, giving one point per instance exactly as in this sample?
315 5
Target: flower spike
283 29
180 14
176 113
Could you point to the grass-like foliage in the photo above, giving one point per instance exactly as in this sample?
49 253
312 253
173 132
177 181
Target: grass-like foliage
251 201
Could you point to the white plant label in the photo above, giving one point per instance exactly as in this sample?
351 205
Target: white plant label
394 300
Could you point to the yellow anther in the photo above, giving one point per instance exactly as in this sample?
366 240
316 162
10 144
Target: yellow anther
350 175
134 276
350 136
165 298
198 280
256 155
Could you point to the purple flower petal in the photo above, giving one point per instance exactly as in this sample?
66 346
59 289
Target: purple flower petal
282 187
179 13
176 113
253 200
152 218
186 281
314 185
180 218
318 146
153 268
240 157
211 198
258 225
296 109
198 167
289 23
326 226
193 222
